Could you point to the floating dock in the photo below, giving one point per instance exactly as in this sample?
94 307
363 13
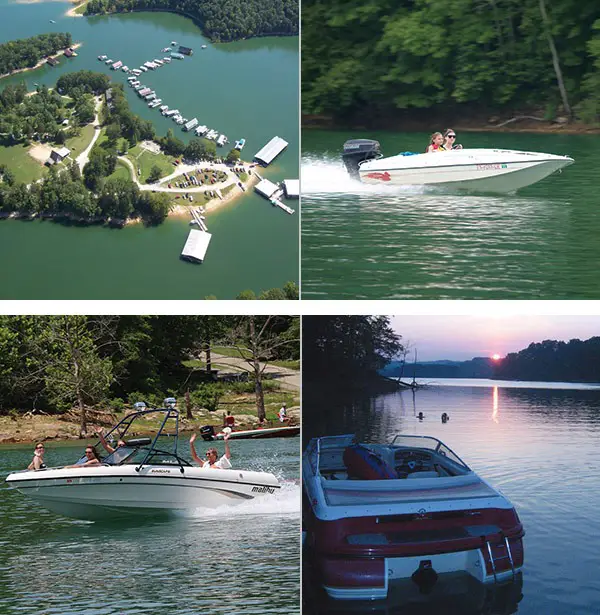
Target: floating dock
271 150
272 192
291 188
196 246
191 124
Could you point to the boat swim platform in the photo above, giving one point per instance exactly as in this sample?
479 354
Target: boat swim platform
271 150
196 246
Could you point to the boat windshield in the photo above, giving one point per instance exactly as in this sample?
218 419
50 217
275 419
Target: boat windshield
119 456
155 458
427 443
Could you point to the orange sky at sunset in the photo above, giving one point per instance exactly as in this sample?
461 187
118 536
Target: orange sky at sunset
465 337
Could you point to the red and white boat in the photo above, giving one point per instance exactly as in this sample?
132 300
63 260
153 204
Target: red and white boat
267 432
374 513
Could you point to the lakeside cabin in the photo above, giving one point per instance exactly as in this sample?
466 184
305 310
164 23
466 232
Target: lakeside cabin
70 53
58 155
185 50
270 151
52 61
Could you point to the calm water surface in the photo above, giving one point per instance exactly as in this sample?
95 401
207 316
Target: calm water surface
244 89
539 446
373 242
226 560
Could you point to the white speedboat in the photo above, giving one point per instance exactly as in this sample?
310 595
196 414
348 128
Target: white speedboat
478 170
374 513
146 476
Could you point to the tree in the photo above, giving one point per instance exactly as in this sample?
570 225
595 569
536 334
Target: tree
155 173
196 150
257 340
68 360
207 396
233 156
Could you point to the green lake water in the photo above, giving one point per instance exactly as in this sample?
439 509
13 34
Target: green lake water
224 560
244 89
371 242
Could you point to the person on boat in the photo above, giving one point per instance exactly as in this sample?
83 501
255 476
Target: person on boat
92 459
450 140
105 444
212 455
445 417
282 414
420 416
229 420
435 143
37 463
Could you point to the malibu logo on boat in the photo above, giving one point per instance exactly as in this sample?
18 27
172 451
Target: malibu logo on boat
384 177
155 471
264 489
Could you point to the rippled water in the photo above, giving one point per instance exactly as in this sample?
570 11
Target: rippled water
538 446
219 561
383 242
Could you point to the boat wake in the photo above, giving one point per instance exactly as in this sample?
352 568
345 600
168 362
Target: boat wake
286 502
324 175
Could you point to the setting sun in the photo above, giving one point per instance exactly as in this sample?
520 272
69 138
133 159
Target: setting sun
496 357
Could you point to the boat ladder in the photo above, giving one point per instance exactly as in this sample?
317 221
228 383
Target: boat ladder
508 556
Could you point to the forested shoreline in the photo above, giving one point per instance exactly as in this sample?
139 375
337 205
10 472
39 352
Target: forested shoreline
75 364
553 361
26 53
222 21
345 353
367 65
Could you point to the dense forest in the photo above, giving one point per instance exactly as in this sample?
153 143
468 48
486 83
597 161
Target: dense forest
221 20
553 361
379 60
346 350
55 363
27 52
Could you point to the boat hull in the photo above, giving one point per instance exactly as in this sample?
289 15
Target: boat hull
493 172
252 434
107 492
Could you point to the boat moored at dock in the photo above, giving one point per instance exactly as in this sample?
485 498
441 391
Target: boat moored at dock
201 130
102 58
222 140
191 124
412 508
239 145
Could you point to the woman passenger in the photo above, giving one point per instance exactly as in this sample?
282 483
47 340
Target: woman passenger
37 463
450 140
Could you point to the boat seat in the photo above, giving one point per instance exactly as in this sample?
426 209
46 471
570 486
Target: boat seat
424 474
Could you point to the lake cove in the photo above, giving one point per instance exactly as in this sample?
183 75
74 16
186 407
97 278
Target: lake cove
246 89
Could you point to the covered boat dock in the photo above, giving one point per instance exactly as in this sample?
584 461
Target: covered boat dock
196 246
271 150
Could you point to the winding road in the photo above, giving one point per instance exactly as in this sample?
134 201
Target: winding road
84 157
184 168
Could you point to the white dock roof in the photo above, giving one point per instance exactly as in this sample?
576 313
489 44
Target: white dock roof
196 246
266 188
271 150
292 188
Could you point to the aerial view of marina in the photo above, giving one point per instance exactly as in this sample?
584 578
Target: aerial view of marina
148 154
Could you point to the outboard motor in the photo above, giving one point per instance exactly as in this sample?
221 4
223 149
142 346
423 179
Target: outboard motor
207 432
357 151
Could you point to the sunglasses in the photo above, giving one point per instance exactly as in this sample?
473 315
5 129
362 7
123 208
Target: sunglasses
451 136
39 447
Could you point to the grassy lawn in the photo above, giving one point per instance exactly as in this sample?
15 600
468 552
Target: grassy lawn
294 364
231 352
121 171
78 144
81 8
145 160
24 167
198 364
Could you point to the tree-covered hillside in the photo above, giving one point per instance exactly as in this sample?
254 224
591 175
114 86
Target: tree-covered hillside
553 361
372 58
25 53
222 20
